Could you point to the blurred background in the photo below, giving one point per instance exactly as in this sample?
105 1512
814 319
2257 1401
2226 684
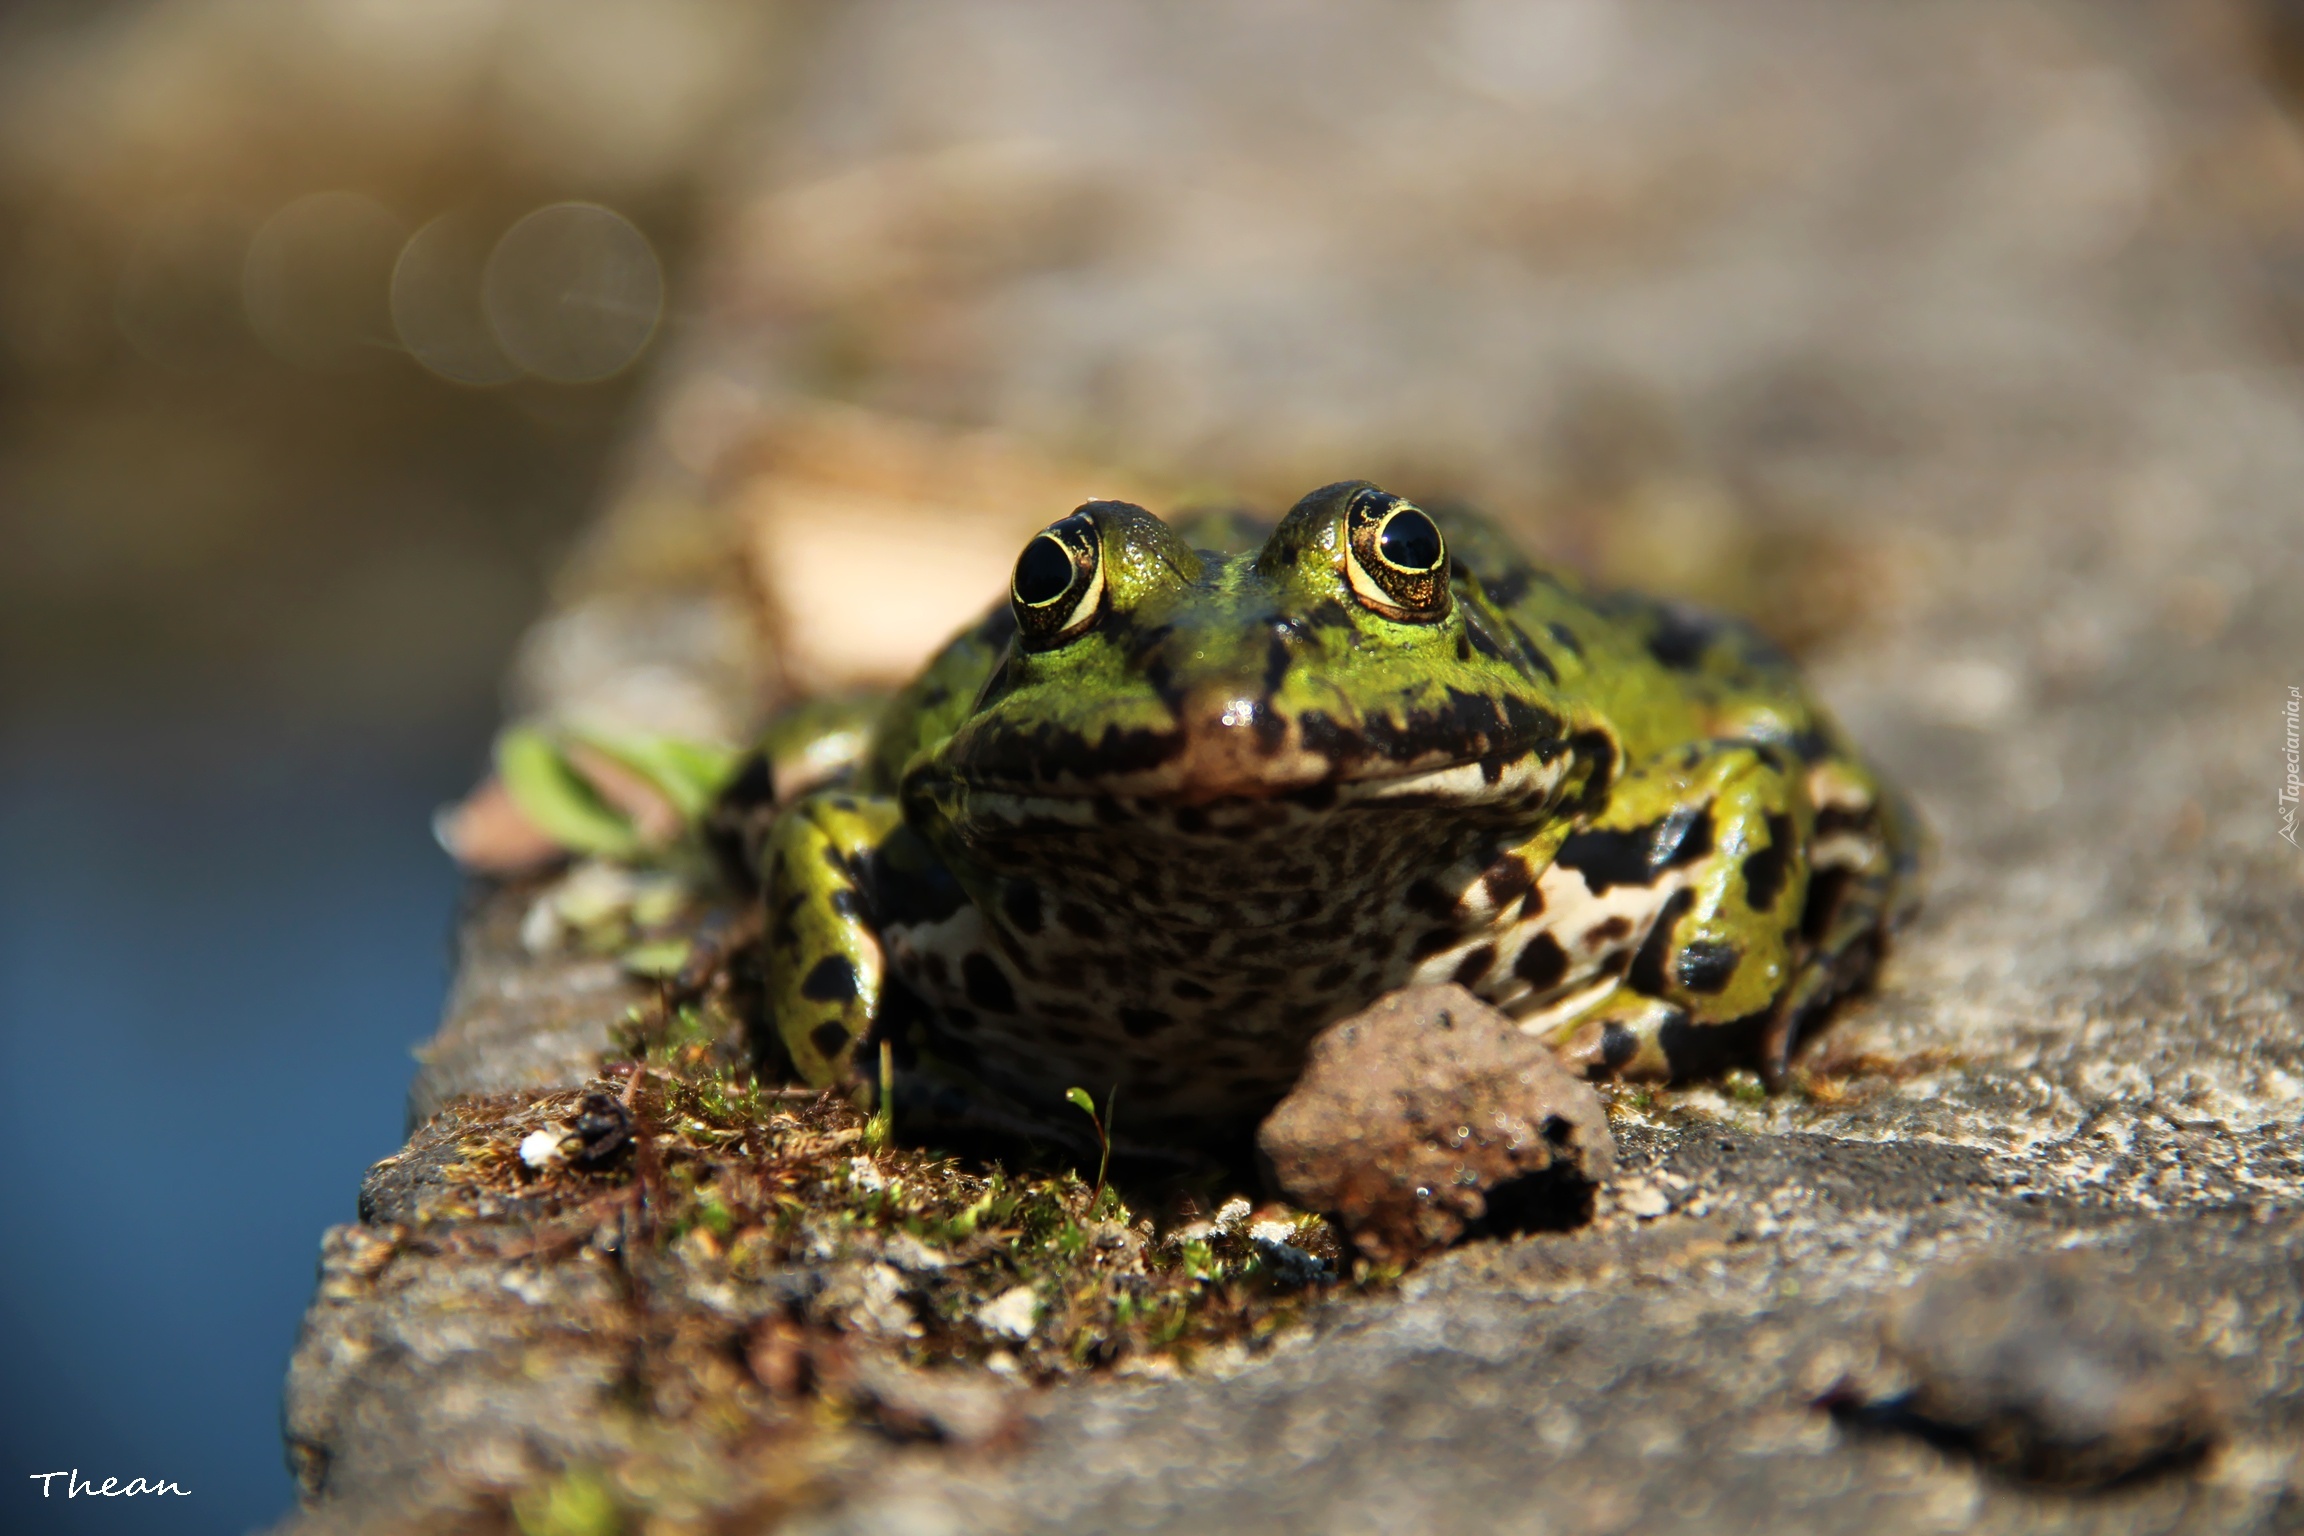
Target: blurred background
340 339
316 324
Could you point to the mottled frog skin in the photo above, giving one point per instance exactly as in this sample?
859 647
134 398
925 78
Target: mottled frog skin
1190 795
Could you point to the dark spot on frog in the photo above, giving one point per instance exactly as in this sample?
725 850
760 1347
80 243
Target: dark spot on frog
1082 920
1608 931
1333 976
1681 636
910 887
1427 897
830 980
1278 654
1646 976
1190 991
1839 818
1431 942
1637 855
1826 887
829 1039
1705 1050
1315 797
1542 962
1473 968
1485 643
1507 878
1463 645
1764 871
987 985
1535 654
1270 728
1706 965
1566 638
1618 1045
1140 1022
1020 900
1507 588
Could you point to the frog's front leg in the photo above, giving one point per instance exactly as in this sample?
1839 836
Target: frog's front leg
1670 931
826 968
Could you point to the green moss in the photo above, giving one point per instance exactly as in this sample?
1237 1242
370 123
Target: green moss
573 1504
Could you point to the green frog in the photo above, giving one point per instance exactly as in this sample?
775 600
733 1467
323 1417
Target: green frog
1191 794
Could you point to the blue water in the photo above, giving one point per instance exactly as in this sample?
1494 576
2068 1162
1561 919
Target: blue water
218 942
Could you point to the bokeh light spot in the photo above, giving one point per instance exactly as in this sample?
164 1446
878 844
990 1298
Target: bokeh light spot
436 303
573 292
317 278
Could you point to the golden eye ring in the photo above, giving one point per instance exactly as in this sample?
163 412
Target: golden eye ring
1057 589
1395 558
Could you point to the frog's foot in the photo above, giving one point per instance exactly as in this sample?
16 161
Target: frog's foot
1782 911
1704 859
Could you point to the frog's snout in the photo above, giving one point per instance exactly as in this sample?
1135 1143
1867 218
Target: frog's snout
1235 745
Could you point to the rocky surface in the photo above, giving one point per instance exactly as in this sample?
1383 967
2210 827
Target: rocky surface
1428 1114
1956 342
2039 1365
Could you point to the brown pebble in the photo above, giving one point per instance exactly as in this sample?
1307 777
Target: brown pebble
1429 1113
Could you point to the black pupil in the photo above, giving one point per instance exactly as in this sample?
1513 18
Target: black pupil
1043 571
1410 541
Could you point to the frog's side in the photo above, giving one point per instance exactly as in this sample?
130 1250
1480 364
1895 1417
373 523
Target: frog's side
1168 812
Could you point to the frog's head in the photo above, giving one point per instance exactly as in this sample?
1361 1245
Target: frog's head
1349 660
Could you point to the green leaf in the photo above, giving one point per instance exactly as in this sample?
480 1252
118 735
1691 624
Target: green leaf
561 801
1080 1097
688 773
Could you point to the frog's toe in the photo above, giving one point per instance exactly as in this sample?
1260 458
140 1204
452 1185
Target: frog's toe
1620 1036
1649 1039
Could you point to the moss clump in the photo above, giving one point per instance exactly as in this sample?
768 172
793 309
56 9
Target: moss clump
720 1182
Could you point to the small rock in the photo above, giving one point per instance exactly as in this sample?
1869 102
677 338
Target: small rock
603 1130
1640 1198
2042 1367
1011 1314
1427 1113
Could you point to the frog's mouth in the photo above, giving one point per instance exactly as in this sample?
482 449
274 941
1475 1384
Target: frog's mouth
1472 750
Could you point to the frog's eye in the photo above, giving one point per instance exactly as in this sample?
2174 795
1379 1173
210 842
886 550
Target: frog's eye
1059 582
1395 558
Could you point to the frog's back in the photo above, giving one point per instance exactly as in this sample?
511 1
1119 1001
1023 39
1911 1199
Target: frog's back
1659 671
